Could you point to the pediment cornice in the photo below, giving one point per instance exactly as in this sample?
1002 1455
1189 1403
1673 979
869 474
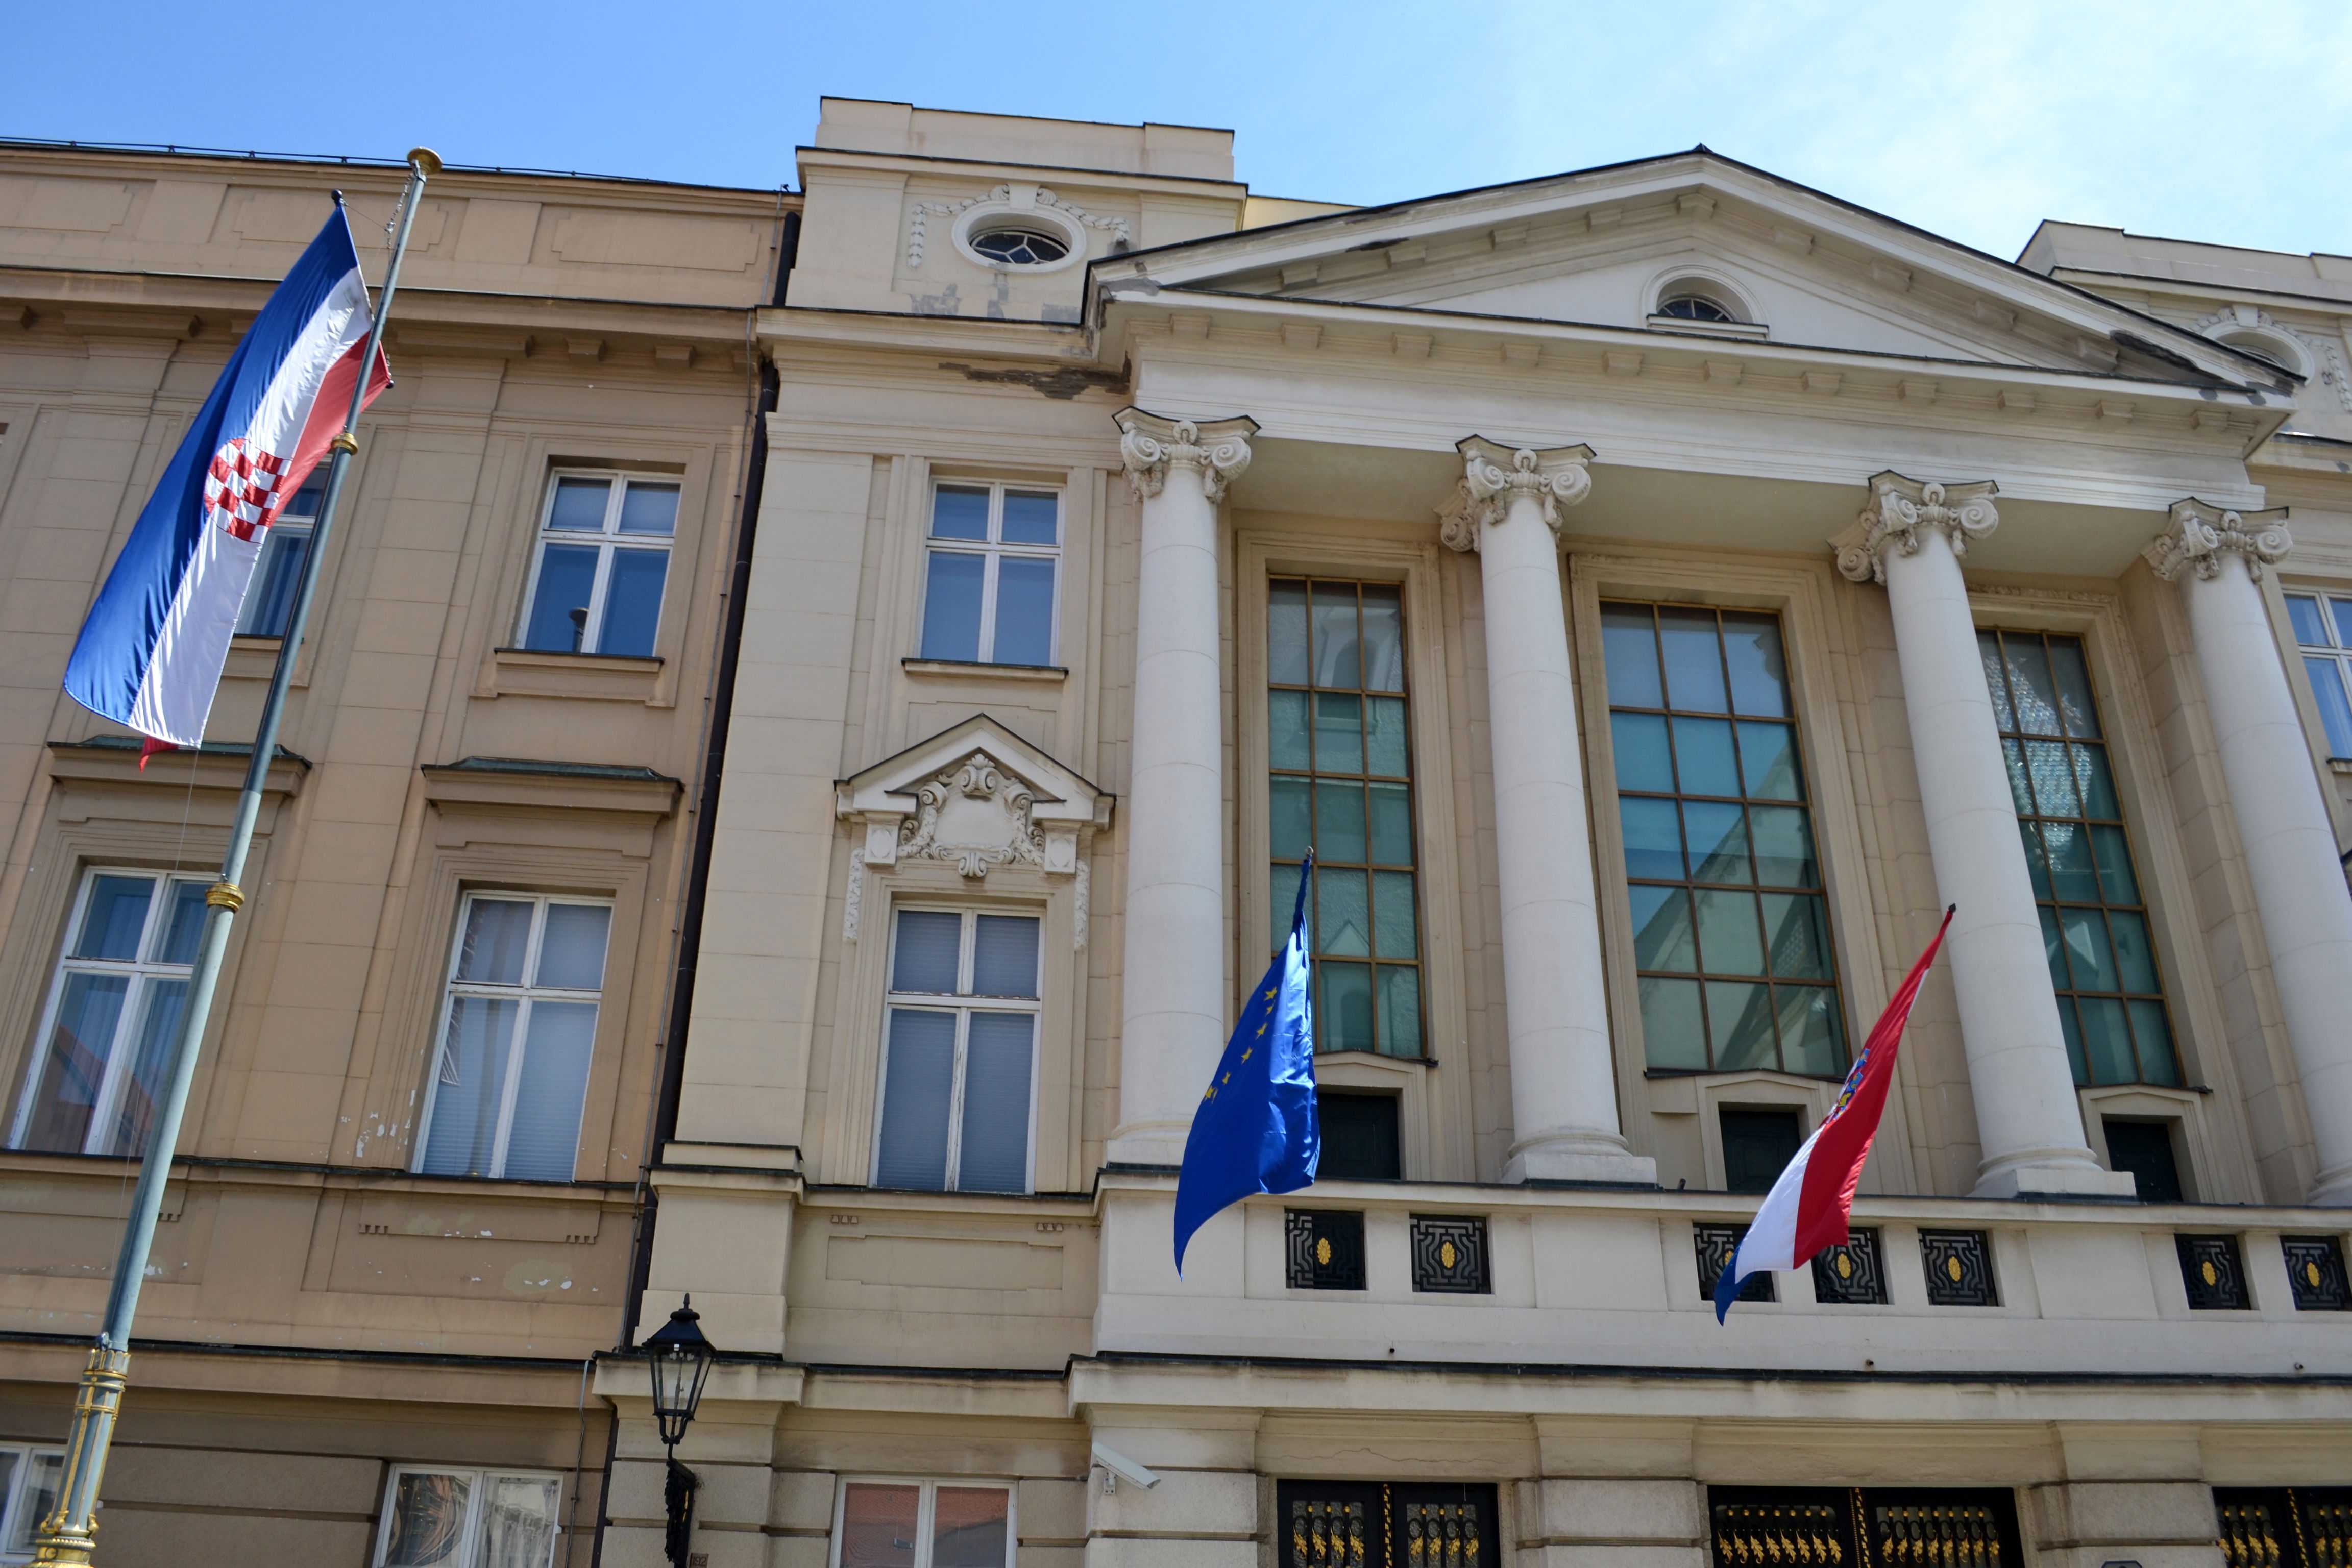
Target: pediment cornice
977 796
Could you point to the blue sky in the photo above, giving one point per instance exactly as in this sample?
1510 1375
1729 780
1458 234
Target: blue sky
2223 123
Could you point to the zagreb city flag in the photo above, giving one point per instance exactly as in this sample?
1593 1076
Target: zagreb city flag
1810 1207
1256 1129
150 651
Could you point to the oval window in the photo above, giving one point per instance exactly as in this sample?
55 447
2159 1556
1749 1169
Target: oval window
1020 247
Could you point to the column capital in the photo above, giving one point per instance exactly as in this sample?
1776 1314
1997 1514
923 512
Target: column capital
2199 535
1900 509
1151 443
1493 473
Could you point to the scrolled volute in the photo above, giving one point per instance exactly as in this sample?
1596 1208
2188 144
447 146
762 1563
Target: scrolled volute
2202 536
1493 474
1151 443
1901 512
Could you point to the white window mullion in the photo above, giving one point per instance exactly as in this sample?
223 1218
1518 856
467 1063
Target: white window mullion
955 1099
927 1507
512 1087
989 558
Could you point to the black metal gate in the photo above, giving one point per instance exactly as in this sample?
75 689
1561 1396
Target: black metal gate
1386 1525
1877 1527
2285 1527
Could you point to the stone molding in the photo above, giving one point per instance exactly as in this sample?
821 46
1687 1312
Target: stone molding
1900 509
1492 474
1007 197
1151 443
2199 535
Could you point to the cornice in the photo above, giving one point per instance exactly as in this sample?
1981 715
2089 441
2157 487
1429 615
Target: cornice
788 325
981 169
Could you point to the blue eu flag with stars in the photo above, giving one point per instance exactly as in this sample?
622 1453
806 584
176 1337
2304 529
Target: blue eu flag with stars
1256 1130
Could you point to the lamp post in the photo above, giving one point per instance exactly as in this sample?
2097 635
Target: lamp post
681 1361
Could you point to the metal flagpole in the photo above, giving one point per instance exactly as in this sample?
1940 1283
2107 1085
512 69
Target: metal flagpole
66 1535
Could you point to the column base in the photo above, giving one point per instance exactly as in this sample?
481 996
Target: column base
1580 1160
2332 1189
2031 1181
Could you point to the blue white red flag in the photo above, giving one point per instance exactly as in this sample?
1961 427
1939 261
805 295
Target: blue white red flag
1812 1206
150 651
1256 1129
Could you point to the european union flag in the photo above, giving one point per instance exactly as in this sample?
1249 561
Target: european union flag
1256 1129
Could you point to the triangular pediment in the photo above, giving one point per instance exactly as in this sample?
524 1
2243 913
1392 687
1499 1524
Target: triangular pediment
975 795
1608 247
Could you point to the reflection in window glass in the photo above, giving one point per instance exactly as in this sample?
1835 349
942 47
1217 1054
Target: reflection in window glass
602 565
924 1524
960 1046
989 585
1341 760
2323 631
470 1519
1731 933
2095 927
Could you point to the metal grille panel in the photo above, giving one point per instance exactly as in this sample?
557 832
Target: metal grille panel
2215 1275
1959 1267
1450 1254
1716 1244
1326 1249
2315 1269
1855 1274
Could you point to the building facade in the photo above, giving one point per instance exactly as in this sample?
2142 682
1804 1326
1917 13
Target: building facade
401 1221
1656 593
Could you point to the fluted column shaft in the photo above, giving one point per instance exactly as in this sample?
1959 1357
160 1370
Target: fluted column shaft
2028 1123
2218 557
1174 998
1563 1079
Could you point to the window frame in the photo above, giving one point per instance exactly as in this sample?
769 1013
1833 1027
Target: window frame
993 552
141 971
525 995
13 1493
963 1003
470 1542
607 541
277 538
2338 652
926 1510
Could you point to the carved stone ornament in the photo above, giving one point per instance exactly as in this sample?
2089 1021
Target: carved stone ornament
1901 511
1492 474
2199 535
1011 198
1152 444
978 797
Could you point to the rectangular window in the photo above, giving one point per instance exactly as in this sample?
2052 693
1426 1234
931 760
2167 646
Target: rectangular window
924 1524
469 1518
2323 633
113 1014
28 1490
989 591
961 1053
285 545
2093 920
603 558
1731 935
519 1024
1339 755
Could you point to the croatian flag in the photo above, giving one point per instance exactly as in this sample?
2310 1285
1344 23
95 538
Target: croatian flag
1809 1207
150 652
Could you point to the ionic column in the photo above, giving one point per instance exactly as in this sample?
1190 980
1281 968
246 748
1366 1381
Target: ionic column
2218 557
1563 1082
1172 1007
2029 1123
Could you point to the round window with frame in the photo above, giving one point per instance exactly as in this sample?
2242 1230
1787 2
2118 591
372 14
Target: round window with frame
1339 758
1019 245
1731 930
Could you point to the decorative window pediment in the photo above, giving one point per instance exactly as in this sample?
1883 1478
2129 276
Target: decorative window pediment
977 796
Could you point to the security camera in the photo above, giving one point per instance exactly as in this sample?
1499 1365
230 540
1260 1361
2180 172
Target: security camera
1115 1464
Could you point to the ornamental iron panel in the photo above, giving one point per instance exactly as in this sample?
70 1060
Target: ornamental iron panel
2315 1269
1450 1254
1791 1527
1959 1267
1385 1524
2214 1272
1326 1247
1855 1274
1716 1244
2285 1527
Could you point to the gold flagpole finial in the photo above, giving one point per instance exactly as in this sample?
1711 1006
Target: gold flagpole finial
424 161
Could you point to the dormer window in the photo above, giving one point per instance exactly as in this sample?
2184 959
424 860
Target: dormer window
1692 308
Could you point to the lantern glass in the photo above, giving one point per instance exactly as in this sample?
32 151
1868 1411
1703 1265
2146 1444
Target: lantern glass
681 1360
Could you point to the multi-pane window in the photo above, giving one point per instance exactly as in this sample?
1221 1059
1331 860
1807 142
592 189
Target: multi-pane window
505 1093
603 557
28 1490
1340 764
989 589
113 1014
468 1519
2094 918
285 545
1731 935
958 1063
924 1524
2323 630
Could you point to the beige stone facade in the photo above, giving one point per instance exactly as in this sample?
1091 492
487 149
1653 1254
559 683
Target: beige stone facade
1075 435
350 1286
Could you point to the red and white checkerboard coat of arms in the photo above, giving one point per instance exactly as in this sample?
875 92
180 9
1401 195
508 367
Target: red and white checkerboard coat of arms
244 489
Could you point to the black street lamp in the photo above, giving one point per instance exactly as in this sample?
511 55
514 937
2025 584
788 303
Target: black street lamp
681 1360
